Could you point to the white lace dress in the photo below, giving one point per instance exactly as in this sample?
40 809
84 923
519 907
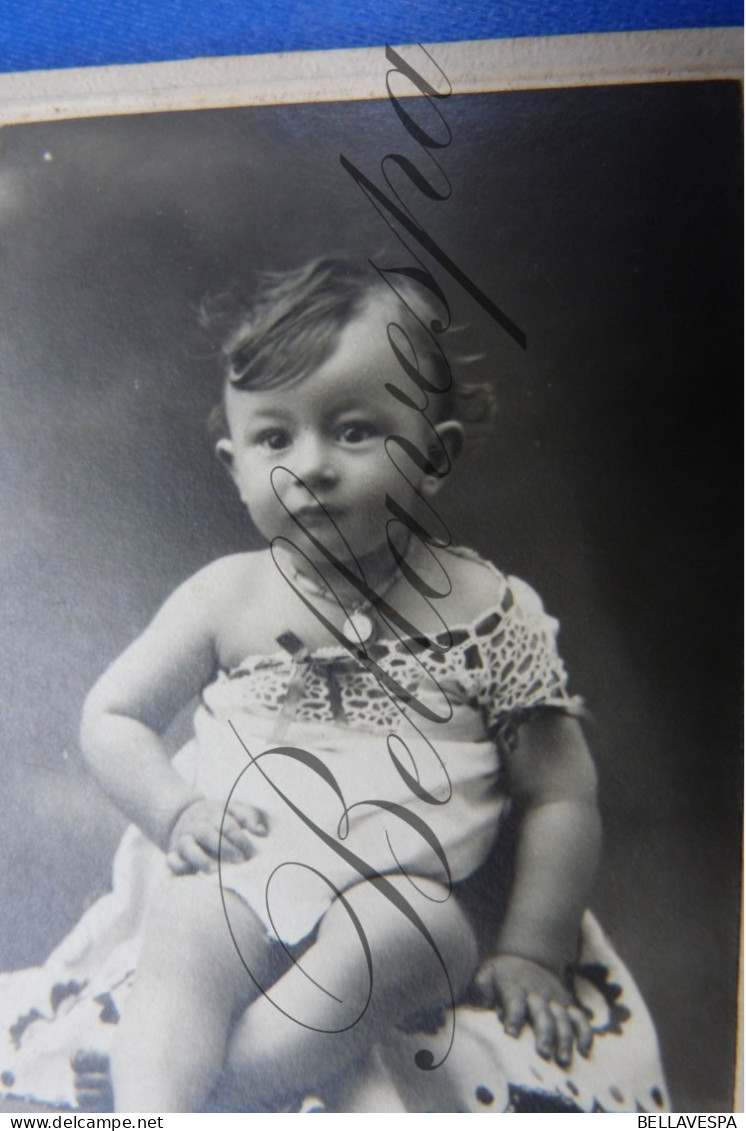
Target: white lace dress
376 760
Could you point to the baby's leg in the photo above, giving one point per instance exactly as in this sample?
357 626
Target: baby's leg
270 1050
189 987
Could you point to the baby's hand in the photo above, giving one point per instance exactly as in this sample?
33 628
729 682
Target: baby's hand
522 990
195 841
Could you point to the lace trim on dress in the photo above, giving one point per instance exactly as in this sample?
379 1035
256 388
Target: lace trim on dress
504 663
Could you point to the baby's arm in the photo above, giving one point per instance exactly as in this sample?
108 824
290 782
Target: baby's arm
553 783
130 707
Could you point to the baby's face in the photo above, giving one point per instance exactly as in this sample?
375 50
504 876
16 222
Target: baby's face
313 455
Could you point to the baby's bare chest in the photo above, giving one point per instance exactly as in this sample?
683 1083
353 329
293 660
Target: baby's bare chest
270 623
272 614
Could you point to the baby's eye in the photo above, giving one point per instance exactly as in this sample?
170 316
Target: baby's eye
356 431
276 439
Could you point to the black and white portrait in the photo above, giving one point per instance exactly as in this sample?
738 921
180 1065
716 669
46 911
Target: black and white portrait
414 422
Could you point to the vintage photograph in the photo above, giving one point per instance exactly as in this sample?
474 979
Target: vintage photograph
372 600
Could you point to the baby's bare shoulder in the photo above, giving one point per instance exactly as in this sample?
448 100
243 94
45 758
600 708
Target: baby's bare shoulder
236 577
476 585
234 569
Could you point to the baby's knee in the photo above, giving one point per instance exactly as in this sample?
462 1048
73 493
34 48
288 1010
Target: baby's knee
186 913
193 925
183 900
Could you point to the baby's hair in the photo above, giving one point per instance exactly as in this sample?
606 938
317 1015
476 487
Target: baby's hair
294 323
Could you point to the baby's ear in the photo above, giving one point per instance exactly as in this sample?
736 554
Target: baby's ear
224 452
451 433
451 441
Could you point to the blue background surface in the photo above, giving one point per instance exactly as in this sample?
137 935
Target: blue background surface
78 33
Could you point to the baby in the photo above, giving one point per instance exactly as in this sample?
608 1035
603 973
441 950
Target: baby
369 698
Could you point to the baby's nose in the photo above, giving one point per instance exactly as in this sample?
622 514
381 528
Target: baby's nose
313 459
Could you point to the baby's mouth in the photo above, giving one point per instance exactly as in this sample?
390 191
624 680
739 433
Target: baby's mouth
316 515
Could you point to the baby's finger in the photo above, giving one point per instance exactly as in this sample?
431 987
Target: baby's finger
194 855
544 1027
232 845
482 991
236 844
564 1034
582 1026
210 840
514 1012
178 866
249 818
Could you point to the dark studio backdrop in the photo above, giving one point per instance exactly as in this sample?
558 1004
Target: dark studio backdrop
606 223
